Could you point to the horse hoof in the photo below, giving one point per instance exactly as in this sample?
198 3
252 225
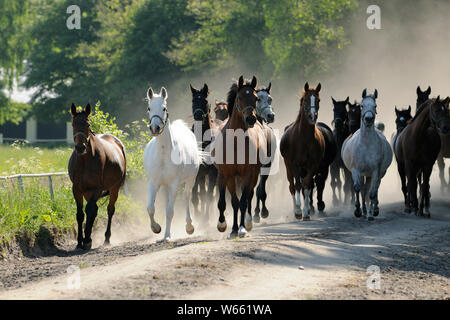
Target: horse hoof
106 243
248 222
298 213
322 214
189 228
298 216
321 206
233 234
242 232
312 210
79 247
222 226
358 212
376 212
156 228
407 211
256 219
370 218
264 213
87 245
257 210
306 218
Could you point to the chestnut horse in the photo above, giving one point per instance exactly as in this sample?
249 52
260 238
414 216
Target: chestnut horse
97 168
237 153
308 150
416 150
204 128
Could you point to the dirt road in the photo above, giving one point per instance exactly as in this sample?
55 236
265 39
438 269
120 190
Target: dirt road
326 258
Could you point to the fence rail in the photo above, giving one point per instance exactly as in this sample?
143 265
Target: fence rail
20 177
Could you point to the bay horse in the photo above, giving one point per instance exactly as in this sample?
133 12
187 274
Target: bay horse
308 150
368 155
221 111
171 158
97 168
340 133
204 129
265 116
417 148
238 152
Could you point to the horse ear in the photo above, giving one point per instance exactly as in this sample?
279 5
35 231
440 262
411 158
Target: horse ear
396 111
347 100
375 94
269 87
88 109
205 90
192 89
319 86
241 81
364 94
418 91
428 90
150 93
163 93
409 109
334 101
254 82
306 87
438 98
73 109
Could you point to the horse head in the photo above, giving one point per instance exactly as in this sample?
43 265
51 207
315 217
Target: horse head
369 108
354 116
221 110
246 99
200 104
309 103
81 127
340 117
440 115
264 104
157 111
422 96
402 118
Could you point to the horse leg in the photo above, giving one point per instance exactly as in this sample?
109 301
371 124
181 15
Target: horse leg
91 213
113 195
412 188
348 192
425 203
78 195
334 172
231 186
294 189
221 224
401 172
357 189
308 186
258 199
263 196
320 180
152 190
172 192
212 178
365 184
195 197
373 194
244 223
187 195
441 165
202 185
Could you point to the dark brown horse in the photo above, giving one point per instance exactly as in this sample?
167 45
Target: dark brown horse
97 168
354 117
308 150
237 154
416 150
204 129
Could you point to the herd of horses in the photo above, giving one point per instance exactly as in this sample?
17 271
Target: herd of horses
210 157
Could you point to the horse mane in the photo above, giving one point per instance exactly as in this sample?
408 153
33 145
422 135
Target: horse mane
421 108
232 94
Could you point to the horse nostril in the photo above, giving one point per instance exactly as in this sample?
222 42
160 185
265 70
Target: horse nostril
271 117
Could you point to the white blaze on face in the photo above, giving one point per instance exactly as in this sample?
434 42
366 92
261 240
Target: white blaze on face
313 105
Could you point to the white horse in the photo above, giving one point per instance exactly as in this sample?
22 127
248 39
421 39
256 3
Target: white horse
171 158
368 155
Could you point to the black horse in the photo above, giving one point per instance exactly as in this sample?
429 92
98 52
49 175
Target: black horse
203 129
422 96
340 133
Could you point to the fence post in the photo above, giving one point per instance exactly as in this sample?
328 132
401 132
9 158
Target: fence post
1 138
20 182
50 185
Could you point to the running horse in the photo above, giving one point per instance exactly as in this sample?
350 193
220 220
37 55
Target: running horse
340 133
238 152
354 117
308 150
204 129
265 116
368 155
97 168
417 149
